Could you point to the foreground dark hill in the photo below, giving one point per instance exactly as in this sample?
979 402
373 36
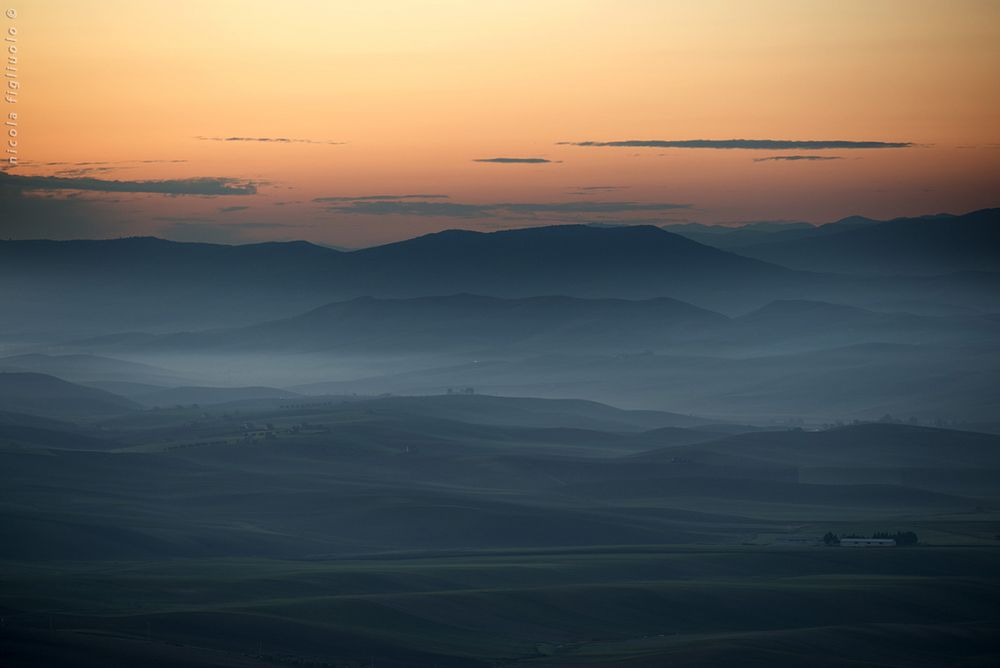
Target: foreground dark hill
408 532
638 608
918 246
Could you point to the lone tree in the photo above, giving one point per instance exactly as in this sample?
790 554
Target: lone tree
831 538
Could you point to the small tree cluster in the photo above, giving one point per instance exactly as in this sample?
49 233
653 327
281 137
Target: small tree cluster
901 537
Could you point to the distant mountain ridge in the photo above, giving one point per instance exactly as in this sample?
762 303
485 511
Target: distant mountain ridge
73 289
155 285
924 245
761 232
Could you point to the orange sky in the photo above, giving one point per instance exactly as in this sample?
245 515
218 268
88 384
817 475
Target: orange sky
417 91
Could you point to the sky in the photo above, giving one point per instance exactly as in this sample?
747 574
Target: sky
358 123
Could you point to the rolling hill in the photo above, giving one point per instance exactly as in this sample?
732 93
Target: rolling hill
863 381
455 324
460 326
575 260
48 396
86 368
403 531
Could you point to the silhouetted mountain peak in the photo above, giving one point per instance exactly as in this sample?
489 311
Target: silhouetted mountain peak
548 233
549 248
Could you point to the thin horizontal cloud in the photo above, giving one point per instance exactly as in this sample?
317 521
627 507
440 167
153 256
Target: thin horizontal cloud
85 167
366 198
807 158
193 186
231 209
84 171
593 207
34 163
500 210
657 221
515 161
272 140
595 190
184 220
403 208
748 144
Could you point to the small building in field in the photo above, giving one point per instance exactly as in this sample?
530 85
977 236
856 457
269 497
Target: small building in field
868 542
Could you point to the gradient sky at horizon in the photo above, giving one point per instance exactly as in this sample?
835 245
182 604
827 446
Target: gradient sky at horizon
394 98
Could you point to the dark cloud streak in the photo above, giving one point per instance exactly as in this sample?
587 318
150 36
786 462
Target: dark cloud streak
499 210
515 161
747 144
32 163
367 198
272 140
194 186
807 158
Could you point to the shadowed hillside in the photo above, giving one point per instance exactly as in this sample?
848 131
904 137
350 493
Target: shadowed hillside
38 394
